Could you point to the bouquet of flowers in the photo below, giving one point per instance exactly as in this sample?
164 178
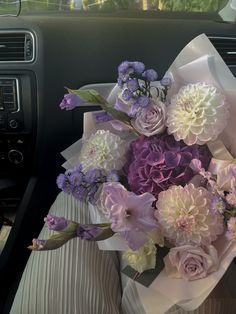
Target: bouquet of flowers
158 170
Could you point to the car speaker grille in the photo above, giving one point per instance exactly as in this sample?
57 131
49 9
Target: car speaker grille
16 46
226 46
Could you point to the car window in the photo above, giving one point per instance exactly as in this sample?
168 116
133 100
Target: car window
28 6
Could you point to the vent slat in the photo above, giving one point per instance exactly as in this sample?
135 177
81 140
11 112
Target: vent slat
12 47
226 46
11 53
12 42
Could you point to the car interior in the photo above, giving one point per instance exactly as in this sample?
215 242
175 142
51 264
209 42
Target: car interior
42 53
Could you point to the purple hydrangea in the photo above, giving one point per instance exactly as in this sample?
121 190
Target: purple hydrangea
70 101
159 162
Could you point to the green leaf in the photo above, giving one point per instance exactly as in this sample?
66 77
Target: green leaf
89 95
105 233
93 97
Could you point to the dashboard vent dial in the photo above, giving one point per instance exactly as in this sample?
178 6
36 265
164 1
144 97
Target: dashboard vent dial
16 46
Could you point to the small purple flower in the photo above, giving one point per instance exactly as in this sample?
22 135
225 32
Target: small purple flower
38 244
80 193
138 67
132 85
127 95
70 101
123 67
63 183
94 175
150 75
61 179
101 117
113 176
87 232
120 81
76 168
55 223
166 81
217 204
76 177
143 101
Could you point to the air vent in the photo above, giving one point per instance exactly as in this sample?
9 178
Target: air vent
226 46
16 46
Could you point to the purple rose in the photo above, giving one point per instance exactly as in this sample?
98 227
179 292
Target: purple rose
70 101
150 120
158 162
190 262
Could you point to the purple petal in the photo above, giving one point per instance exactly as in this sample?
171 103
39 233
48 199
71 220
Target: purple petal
172 159
135 239
120 126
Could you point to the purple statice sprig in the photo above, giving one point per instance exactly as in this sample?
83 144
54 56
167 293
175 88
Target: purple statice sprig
84 185
137 89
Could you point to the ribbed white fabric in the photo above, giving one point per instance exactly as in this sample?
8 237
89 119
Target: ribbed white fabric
78 278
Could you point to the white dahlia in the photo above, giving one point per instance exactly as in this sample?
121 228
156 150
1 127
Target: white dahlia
197 114
103 150
185 215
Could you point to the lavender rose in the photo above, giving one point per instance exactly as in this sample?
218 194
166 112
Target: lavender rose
150 120
190 262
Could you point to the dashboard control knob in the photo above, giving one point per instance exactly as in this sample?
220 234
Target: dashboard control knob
15 156
13 124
